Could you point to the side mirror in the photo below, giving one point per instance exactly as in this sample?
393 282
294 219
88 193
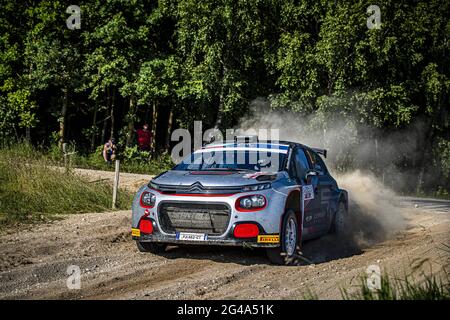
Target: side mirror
310 174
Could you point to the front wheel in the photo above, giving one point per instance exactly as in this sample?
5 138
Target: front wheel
289 240
151 247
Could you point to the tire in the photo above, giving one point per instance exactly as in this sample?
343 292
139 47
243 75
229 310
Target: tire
152 247
339 221
284 254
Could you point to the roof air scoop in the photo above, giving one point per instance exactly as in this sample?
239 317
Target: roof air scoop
246 139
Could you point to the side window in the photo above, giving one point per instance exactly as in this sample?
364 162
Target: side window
321 164
317 163
301 163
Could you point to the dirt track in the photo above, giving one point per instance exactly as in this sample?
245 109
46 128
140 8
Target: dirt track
34 261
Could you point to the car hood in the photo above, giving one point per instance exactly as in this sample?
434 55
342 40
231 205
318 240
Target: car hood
214 179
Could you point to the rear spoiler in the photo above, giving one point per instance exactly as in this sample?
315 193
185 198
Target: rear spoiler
320 151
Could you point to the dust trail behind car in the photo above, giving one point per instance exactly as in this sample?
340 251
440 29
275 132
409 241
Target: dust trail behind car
374 217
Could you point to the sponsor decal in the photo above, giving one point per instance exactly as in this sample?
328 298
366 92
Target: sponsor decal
308 192
269 239
135 232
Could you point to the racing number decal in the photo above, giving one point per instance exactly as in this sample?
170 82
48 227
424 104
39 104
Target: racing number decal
308 192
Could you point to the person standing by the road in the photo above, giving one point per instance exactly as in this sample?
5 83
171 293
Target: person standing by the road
144 138
109 151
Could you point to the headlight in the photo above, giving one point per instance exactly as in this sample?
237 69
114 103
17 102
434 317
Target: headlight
153 185
148 199
245 203
251 203
257 187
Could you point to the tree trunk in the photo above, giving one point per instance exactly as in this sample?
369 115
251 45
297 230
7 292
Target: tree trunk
169 130
63 118
131 113
219 112
94 128
154 125
147 113
113 99
221 103
105 125
105 122
28 134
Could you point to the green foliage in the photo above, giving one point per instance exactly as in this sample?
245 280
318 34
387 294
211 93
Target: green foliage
16 112
139 61
158 79
133 154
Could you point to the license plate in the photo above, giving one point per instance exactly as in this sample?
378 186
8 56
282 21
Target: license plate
191 236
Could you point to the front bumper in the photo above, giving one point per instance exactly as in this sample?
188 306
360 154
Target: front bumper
171 239
267 219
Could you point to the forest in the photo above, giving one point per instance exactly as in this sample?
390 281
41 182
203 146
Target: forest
169 63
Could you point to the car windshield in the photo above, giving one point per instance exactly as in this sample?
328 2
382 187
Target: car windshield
233 160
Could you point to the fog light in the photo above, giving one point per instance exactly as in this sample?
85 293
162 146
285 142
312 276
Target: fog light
146 226
246 230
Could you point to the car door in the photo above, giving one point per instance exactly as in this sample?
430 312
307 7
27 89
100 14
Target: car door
325 187
312 207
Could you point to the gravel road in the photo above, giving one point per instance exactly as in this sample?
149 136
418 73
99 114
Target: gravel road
34 259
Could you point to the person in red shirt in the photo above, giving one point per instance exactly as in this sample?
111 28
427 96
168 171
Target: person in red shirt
144 138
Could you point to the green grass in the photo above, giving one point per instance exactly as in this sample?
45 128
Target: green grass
429 288
31 190
93 161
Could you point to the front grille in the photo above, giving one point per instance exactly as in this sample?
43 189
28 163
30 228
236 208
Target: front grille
197 188
209 218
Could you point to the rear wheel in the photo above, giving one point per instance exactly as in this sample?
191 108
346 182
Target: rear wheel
151 247
340 217
289 240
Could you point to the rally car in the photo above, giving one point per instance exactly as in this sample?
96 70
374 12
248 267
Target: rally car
266 194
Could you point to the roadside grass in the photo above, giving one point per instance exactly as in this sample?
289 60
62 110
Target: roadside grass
401 289
31 190
131 160
95 162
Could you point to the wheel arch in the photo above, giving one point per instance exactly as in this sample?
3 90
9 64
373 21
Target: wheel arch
293 202
343 197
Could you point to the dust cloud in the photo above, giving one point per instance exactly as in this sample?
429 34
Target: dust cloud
372 211
353 162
